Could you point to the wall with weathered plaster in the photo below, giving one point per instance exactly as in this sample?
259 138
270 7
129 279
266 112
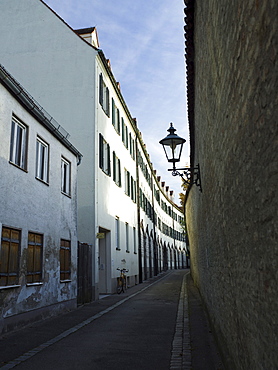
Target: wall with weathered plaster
31 205
232 225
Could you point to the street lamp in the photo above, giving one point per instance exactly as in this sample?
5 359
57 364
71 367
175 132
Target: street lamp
172 145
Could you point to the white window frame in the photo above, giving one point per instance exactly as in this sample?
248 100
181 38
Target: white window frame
134 240
116 117
127 237
42 160
104 99
117 233
104 153
117 170
127 182
18 143
133 189
106 157
65 176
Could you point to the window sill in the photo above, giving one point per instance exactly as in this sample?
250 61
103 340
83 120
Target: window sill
67 195
105 109
9 286
118 132
106 172
40 180
65 281
17 166
34 284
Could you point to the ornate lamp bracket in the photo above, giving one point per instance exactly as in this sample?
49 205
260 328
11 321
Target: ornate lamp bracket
190 175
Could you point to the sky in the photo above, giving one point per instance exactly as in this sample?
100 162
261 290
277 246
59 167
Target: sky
144 41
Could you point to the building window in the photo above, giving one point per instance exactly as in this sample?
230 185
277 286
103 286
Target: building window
117 170
104 96
9 256
127 182
34 258
104 155
126 137
65 260
116 117
134 240
124 133
131 146
117 233
133 189
127 236
65 176
42 160
18 147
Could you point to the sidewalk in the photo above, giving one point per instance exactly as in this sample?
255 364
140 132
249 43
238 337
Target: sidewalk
204 355
204 352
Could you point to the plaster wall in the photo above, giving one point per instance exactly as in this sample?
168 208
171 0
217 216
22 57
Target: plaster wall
111 199
28 204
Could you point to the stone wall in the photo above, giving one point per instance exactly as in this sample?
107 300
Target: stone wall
233 224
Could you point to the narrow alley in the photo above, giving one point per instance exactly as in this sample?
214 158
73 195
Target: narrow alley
145 328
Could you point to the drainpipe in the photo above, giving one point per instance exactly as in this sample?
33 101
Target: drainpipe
138 213
79 159
154 232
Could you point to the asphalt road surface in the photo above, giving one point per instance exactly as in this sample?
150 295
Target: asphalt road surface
134 330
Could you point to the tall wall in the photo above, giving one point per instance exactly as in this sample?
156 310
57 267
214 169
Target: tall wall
233 224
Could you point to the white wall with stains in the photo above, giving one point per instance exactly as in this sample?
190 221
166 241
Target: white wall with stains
30 205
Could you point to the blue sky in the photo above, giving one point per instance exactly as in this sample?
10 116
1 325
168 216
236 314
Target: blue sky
144 41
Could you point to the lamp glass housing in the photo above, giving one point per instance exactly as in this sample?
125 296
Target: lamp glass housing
172 145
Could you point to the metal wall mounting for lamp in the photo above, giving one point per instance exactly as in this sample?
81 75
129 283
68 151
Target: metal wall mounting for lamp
172 145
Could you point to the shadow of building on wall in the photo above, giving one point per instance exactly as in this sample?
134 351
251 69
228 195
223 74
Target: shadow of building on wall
231 60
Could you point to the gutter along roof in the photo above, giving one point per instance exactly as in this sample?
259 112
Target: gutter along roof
189 60
36 110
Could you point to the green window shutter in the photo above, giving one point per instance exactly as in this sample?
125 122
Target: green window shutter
108 159
128 183
123 131
126 137
131 188
114 167
107 108
100 151
130 144
118 121
120 175
113 112
101 89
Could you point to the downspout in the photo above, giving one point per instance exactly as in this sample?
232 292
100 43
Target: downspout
138 212
174 239
79 159
154 232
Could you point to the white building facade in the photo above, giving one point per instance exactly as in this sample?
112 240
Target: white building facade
38 210
70 75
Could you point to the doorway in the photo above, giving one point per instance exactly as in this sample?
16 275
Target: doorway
104 261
